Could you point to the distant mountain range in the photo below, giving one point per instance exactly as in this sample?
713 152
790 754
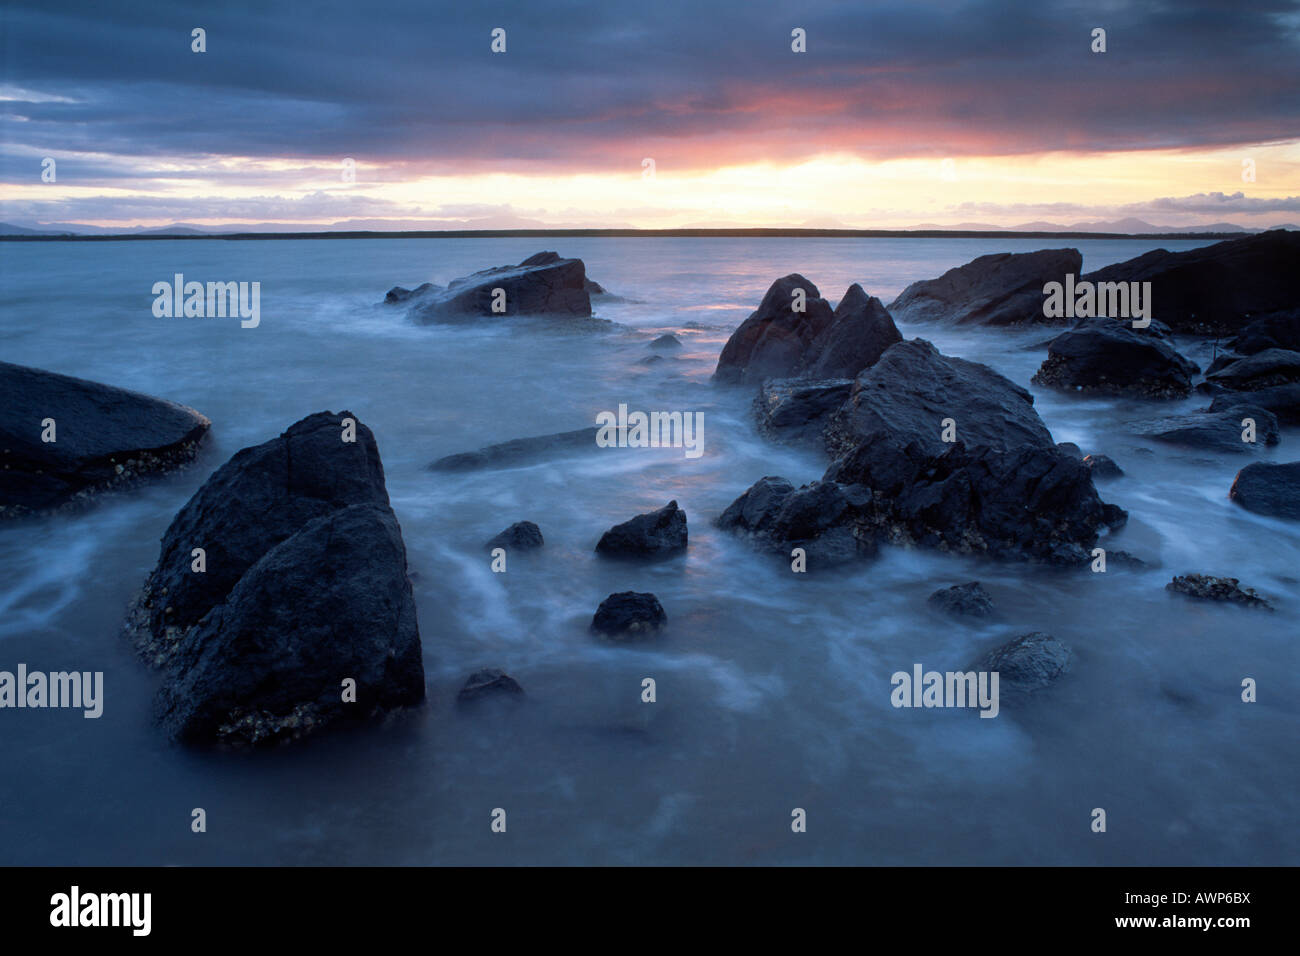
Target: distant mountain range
1129 226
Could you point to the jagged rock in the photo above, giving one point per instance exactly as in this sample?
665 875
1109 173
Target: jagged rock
520 536
104 438
963 599
1220 288
1208 588
1027 664
861 330
1001 289
305 585
490 681
1110 357
656 534
1269 489
629 615
914 387
1215 431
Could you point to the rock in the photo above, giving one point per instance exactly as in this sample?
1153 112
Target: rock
963 599
305 585
659 533
543 284
1217 289
1102 467
629 615
1109 357
1269 489
1266 369
593 287
914 387
1026 664
521 451
104 438
490 681
520 536
666 341
1033 503
778 342
1001 289
860 332
398 294
1208 588
1215 431
1282 400
1279 330
650 360
1071 449
796 410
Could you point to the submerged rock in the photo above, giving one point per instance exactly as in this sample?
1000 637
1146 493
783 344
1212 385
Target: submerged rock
543 284
520 536
304 585
1111 357
521 451
1269 489
103 438
1208 588
629 615
1103 467
914 388
963 599
666 341
1001 289
656 534
1215 431
489 682
1027 664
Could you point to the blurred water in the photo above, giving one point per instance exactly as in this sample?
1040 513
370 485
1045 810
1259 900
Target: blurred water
773 688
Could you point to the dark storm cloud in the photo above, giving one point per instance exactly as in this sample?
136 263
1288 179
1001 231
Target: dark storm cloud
587 86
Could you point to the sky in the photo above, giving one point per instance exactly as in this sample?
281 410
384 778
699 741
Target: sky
644 114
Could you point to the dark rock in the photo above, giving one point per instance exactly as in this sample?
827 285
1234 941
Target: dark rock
650 360
1208 588
655 534
1001 289
629 615
593 287
520 536
1282 400
490 681
1071 449
1280 330
305 585
1266 369
1033 503
913 388
1215 431
1110 357
521 451
1102 467
797 410
543 284
105 438
1222 361
778 342
1026 664
963 599
1269 489
666 341
860 332
1217 289
398 294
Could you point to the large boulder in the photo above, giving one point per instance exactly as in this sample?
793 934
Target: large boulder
1269 489
104 437
303 584
1217 289
629 615
1111 357
913 388
543 284
1005 288
656 534
1266 369
1220 431
1278 330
